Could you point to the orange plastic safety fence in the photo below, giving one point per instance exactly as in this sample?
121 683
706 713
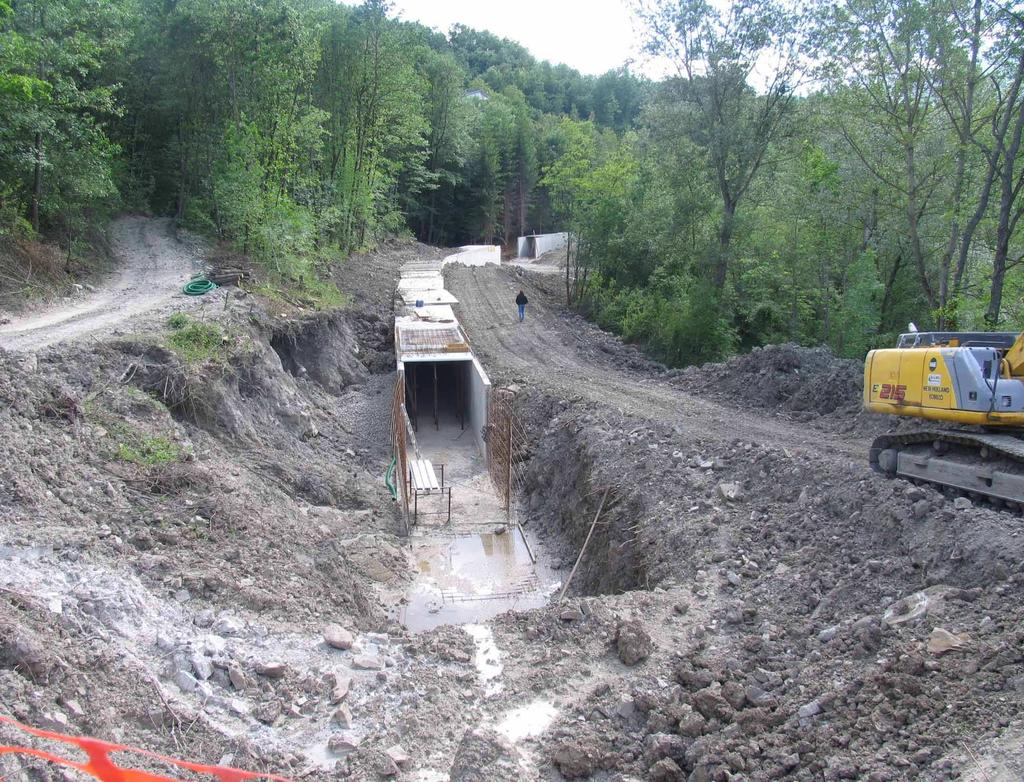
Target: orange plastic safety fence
103 768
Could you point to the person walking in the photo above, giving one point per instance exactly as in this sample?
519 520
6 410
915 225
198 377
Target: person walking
521 302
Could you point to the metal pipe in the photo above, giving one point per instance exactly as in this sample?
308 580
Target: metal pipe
526 543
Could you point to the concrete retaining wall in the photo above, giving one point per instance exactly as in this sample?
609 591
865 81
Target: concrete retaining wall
536 245
478 388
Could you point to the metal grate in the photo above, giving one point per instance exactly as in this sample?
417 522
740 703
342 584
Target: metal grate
527 587
433 340
506 448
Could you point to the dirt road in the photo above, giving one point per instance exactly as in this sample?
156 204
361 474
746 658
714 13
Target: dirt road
572 358
153 265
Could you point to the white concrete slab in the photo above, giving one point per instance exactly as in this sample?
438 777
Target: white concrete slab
428 297
476 255
433 313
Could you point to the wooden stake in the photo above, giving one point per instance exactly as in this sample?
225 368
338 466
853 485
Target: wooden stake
579 559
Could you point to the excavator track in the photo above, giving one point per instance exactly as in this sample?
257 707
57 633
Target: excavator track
975 465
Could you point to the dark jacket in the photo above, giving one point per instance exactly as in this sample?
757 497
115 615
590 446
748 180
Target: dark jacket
521 299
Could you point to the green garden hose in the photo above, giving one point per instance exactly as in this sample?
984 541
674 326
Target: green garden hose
389 480
199 286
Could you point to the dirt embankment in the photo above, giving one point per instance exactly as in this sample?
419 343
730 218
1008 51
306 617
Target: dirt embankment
558 353
167 526
765 579
34 272
787 378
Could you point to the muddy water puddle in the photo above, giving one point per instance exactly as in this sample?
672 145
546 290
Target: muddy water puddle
470 577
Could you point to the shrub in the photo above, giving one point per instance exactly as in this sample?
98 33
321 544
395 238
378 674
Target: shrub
178 320
198 342
150 451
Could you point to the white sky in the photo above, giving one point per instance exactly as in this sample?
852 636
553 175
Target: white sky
592 36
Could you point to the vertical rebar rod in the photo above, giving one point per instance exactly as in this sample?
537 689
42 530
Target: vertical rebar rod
508 482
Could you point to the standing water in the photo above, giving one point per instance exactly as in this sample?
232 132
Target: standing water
470 577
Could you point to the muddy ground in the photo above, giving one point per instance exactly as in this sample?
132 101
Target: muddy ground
198 556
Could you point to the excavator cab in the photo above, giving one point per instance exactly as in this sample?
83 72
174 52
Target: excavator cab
959 377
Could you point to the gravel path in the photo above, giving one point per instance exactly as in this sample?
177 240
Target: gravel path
154 265
562 353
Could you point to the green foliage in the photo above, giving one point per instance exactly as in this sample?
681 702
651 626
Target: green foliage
305 290
676 320
56 92
860 310
178 321
198 343
715 210
149 451
613 99
127 443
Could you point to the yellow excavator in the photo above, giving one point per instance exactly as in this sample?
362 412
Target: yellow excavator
975 380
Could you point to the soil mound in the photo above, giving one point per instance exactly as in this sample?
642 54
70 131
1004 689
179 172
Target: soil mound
782 377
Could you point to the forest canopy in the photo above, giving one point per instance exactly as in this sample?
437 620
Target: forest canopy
821 175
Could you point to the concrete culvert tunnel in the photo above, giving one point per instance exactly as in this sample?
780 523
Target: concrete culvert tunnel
473 559
446 401
435 393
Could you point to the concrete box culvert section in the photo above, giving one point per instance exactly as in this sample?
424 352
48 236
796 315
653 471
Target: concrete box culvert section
478 562
448 394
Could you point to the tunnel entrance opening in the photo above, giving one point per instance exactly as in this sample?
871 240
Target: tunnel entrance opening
435 394
447 404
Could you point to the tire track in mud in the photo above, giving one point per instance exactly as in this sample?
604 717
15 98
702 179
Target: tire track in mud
546 352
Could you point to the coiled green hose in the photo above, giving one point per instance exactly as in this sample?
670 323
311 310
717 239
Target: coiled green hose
199 286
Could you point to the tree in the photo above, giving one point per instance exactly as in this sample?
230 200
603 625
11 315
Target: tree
920 70
447 140
717 54
54 97
566 179
1005 161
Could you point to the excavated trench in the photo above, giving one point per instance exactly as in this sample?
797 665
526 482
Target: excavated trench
479 563
574 507
229 572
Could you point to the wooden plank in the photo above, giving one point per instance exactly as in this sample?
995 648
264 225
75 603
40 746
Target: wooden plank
417 474
424 478
431 476
420 479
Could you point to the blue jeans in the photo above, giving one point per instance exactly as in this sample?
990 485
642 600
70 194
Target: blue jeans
522 312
